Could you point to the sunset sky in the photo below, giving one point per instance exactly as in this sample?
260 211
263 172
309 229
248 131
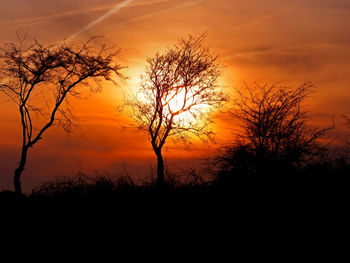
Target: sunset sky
262 41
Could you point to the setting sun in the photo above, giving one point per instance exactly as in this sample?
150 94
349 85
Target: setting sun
178 100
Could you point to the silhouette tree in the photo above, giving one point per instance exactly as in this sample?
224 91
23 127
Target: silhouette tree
347 122
30 74
177 95
274 133
347 119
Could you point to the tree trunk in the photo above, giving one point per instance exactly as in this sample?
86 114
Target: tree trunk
19 170
160 169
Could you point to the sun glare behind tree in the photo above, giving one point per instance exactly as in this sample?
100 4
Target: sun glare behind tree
177 96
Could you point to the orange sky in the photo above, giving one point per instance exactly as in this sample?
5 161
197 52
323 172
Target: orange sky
264 41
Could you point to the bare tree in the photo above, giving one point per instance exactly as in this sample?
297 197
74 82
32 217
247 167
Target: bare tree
29 75
347 119
347 123
274 127
177 95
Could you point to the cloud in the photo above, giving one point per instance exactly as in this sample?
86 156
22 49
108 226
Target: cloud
151 14
107 11
305 57
264 18
112 11
40 19
126 3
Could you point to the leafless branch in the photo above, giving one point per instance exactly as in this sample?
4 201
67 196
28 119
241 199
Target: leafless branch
178 93
28 73
273 123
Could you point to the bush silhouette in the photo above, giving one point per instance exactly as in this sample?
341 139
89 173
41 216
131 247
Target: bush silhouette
275 135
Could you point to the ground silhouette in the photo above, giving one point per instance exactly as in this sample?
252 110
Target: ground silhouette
324 182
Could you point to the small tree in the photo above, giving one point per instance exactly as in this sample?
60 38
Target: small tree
177 95
347 122
347 119
29 74
274 130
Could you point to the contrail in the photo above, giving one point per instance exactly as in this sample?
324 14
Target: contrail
112 11
185 4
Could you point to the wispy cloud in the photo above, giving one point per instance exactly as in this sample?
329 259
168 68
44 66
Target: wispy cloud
39 19
119 6
183 5
108 11
285 8
112 11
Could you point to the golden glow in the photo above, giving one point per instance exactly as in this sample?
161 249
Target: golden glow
176 101
185 103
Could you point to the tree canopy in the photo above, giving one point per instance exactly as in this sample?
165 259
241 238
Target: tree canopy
178 93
